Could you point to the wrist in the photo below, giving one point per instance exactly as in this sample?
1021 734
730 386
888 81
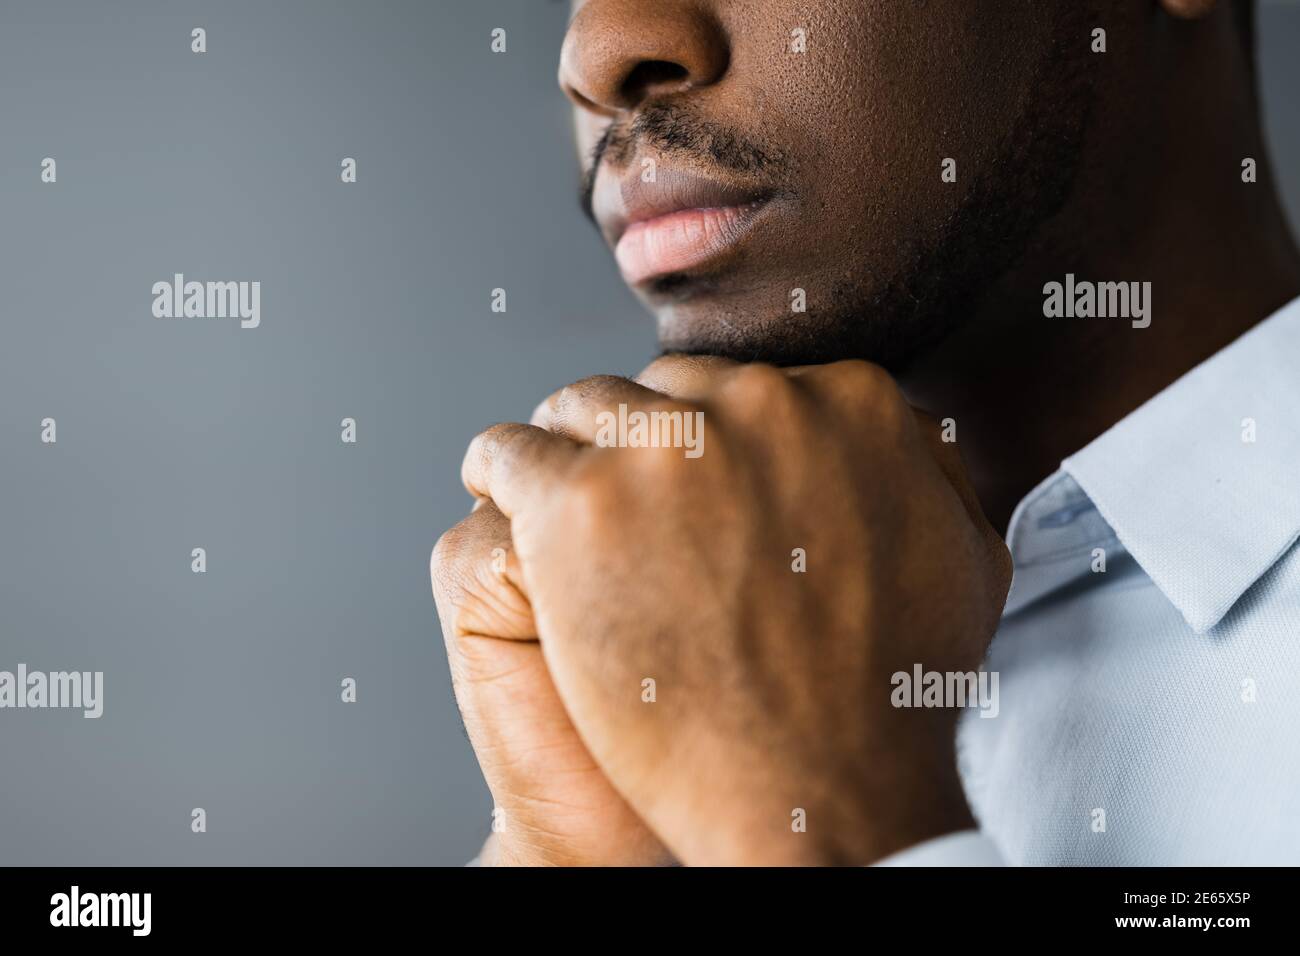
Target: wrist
859 819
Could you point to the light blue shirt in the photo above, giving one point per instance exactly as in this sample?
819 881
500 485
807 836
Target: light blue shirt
1149 713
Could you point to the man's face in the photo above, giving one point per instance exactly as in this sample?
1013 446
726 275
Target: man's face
752 158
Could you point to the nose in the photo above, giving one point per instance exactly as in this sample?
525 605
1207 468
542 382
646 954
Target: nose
619 53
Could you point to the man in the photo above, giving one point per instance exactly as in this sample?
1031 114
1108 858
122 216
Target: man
873 234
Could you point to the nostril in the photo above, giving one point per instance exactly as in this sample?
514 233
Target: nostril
586 103
649 75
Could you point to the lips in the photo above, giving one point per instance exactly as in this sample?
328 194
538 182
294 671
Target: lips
675 223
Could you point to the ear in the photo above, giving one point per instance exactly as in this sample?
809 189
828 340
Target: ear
1188 9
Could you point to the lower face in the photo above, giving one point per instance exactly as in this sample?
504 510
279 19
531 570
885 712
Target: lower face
834 231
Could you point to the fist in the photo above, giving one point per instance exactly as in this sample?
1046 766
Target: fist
724 579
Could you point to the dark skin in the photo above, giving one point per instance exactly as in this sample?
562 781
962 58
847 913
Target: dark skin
1122 166
1218 263
865 190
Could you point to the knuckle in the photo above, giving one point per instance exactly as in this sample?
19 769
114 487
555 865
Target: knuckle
870 391
867 376
758 379
479 442
893 413
681 432
498 432
448 551
671 372
567 396
493 440
465 542
761 394
587 389
599 383
545 411
663 364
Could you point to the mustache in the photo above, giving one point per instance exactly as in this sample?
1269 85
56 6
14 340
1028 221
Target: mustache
672 130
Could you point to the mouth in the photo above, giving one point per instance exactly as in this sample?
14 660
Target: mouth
674 223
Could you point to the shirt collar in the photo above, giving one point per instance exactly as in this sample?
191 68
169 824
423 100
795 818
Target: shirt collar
1201 485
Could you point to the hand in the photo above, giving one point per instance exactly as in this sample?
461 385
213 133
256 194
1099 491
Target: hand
554 805
652 574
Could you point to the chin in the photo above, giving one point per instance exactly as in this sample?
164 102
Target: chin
729 333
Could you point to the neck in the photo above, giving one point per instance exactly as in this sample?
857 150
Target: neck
1026 390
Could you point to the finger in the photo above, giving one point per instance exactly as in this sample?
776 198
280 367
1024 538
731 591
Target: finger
477 581
515 465
686 377
856 387
573 410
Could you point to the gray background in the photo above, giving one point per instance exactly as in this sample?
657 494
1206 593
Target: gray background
222 689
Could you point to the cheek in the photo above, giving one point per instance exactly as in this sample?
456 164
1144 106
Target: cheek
885 100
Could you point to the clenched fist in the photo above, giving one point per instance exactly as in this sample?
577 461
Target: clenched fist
721 618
